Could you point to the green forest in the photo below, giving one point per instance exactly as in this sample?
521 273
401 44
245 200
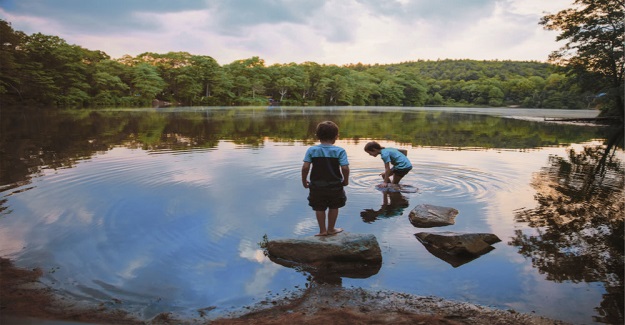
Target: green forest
46 71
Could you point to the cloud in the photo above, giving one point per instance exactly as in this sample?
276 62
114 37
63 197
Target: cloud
98 17
284 31
235 15
440 10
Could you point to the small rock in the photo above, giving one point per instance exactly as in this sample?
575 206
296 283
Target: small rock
427 216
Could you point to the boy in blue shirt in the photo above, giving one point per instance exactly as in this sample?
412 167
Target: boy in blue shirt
390 156
330 173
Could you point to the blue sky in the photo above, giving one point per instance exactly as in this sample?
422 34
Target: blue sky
285 31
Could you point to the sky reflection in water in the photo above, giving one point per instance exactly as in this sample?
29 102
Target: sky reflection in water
166 225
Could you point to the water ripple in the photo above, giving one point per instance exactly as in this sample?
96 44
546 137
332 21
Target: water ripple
446 180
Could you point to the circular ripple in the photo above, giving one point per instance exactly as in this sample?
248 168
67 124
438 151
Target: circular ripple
365 177
458 182
284 170
451 181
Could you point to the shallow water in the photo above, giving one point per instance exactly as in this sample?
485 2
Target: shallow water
164 210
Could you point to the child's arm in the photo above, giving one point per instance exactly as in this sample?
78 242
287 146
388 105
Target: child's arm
305 170
387 173
345 171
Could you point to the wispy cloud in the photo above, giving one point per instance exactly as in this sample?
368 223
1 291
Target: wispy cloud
283 31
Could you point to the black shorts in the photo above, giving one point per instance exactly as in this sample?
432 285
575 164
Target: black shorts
401 172
320 199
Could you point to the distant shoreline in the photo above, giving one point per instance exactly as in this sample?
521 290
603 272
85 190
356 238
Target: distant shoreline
519 112
494 111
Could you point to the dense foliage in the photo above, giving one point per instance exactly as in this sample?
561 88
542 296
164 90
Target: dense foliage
44 70
594 31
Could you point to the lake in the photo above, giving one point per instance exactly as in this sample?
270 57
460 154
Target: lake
163 210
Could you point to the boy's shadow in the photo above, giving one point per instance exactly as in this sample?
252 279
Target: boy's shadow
393 204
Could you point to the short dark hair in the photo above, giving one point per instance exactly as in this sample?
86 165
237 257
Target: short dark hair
373 145
327 131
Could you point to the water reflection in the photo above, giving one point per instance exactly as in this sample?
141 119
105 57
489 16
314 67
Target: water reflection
141 206
393 204
332 272
578 224
35 140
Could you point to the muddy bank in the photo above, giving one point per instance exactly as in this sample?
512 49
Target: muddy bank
24 299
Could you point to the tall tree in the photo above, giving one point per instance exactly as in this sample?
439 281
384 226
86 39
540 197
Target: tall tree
208 71
111 82
10 65
415 90
146 83
594 31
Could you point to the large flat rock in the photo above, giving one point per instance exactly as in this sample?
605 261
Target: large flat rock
343 247
329 257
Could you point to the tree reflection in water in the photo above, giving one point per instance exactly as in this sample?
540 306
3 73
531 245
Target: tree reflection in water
578 220
579 224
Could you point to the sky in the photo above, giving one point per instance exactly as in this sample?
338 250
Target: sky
296 31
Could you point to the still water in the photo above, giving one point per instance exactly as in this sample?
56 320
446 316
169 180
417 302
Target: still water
163 210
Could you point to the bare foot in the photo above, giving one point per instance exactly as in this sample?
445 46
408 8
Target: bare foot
335 231
322 234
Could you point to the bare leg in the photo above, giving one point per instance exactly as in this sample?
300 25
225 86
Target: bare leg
397 178
321 220
333 214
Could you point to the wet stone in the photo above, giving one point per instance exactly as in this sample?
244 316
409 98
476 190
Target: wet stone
457 249
428 216
329 257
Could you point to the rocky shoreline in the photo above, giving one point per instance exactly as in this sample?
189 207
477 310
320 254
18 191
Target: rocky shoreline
25 300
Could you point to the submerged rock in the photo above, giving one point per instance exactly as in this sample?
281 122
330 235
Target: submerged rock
457 249
340 255
427 216
393 188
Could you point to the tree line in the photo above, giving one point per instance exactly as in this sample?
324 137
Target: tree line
44 70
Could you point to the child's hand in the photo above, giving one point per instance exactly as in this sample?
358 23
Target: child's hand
306 184
384 185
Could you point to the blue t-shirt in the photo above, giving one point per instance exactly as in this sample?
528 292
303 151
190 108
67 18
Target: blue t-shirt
395 157
326 162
